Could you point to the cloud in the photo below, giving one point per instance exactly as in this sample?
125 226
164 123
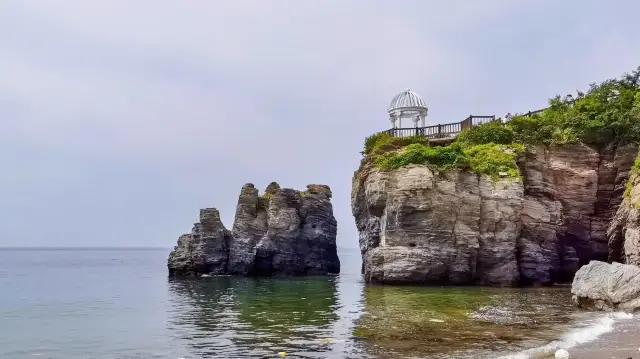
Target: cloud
123 118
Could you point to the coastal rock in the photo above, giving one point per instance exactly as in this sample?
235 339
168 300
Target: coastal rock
624 230
204 250
283 232
420 228
456 227
571 193
603 286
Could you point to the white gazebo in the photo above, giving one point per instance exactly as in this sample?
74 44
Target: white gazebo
407 105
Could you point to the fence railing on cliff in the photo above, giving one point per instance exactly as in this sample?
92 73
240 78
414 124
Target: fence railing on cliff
448 130
442 130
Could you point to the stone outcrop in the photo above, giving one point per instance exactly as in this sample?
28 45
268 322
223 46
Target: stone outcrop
624 230
603 286
204 250
460 228
283 232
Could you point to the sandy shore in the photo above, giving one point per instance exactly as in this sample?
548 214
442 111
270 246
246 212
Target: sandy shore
621 343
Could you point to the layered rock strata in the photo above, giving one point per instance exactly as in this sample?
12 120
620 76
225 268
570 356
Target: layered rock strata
283 232
624 230
457 227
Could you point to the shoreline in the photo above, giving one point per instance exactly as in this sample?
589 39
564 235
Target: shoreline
622 342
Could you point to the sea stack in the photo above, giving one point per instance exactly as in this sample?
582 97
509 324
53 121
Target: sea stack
282 232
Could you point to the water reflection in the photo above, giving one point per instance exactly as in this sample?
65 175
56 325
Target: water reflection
255 318
228 317
459 322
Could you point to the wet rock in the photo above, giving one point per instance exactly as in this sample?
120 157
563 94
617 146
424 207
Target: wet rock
610 287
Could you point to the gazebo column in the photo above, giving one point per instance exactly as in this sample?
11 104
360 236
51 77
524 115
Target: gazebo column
422 120
393 121
416 120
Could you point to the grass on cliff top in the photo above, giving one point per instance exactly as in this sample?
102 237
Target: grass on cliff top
608 114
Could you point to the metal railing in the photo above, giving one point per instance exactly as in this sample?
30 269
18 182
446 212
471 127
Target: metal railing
442 130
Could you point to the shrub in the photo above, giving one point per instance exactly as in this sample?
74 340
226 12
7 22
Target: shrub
381 142
492 159
491 132
607 114
635 170
489 158
440 158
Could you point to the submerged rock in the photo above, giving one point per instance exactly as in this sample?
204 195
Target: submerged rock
609 287
283 232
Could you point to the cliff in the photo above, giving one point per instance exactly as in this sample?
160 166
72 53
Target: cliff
624 230
461 227
283 232
524 202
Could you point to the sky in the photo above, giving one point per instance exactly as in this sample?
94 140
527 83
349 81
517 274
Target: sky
121 119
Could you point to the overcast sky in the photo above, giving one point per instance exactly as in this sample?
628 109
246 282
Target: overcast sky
120 119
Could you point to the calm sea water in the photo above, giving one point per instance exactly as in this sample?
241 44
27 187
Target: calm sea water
119 304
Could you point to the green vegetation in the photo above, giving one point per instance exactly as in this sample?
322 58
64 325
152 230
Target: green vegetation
608 114
382 142
635 170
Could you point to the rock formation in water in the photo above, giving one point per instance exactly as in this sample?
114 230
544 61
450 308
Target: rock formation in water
283 232
605 286
458 227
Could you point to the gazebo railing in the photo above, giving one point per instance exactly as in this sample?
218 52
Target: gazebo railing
442 130
453 129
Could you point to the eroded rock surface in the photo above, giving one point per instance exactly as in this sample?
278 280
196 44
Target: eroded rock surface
204 250
624 230
417 227
603 286
461 228
283 232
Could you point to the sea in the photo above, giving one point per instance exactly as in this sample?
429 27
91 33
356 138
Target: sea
120 304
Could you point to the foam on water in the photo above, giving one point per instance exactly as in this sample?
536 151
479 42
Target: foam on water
599 326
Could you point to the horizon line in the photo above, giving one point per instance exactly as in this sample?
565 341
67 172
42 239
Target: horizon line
98 247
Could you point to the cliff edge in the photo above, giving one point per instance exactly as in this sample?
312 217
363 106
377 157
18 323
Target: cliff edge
283 232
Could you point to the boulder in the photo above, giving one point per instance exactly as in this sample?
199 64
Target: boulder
610 287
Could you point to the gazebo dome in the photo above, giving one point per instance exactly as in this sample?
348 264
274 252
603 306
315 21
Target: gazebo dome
407 100
407 105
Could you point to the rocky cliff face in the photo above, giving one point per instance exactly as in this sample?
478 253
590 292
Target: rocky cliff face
283 232
624 230
461 228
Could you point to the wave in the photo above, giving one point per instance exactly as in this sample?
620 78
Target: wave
574 337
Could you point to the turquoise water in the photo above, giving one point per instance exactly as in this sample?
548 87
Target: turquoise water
112 304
